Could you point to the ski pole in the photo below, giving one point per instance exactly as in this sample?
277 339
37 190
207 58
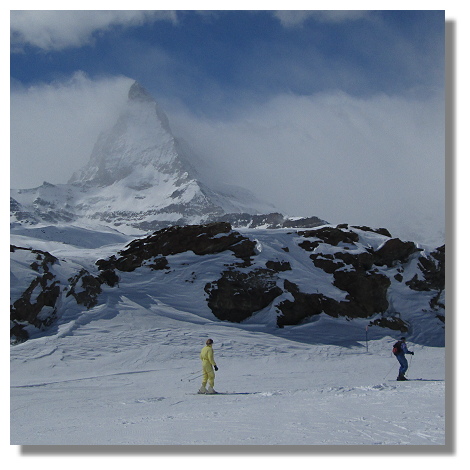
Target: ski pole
194 378
409 365
389 372
189 376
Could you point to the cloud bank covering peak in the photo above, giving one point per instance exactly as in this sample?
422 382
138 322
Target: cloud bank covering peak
338 114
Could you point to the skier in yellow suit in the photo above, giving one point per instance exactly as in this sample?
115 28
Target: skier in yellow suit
208 375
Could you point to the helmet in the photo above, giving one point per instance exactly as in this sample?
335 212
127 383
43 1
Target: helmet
209 341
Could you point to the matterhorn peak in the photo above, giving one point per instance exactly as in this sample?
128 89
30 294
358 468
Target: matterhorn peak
141 176
140 142
138 93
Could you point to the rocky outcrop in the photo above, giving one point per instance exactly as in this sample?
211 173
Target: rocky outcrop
200 239
332 235
302 306
367 296
237 295
367 292
432 278
354 271
292 278
433 272
37 304
85 288
392 323
394 251
271 221
41 210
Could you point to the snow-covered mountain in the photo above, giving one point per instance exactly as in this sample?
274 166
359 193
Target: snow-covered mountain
303 323
139 178
119 276
272 277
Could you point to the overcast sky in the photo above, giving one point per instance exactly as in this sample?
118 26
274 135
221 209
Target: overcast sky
338 114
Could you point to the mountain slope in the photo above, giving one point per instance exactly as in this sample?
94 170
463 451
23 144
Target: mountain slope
338 280
139 178
115 331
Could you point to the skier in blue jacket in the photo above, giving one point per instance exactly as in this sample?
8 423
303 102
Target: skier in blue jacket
400 355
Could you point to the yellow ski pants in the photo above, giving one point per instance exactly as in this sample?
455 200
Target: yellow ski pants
208 374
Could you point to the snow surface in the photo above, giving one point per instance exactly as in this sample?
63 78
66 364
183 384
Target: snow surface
126 373
129 376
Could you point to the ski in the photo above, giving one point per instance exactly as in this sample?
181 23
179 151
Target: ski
418 380
428 380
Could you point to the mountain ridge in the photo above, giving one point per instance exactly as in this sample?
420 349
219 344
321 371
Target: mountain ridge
353 277
139 178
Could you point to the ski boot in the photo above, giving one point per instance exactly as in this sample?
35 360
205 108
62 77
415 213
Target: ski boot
202 390
211 391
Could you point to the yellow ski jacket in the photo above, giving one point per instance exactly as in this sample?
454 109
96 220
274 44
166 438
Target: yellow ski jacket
207 356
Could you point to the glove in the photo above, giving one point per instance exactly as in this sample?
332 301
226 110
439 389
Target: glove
216 368
412 353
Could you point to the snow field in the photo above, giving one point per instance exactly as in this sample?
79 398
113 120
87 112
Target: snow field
125 372
118 381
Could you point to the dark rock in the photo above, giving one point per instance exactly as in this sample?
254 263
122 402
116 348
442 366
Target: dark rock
381 231
278 266
85 288
200 239
305 222
433 271
393 323
305 305
302 307
159 264
332 235
325 263
361 261
29 309
367 291
18 334
109 277
394 251
237 295
308 245
26 309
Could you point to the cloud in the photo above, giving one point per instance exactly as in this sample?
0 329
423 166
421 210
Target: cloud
295 18
56 30
54 126
377 161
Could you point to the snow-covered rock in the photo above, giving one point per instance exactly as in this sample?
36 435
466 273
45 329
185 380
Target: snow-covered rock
272 277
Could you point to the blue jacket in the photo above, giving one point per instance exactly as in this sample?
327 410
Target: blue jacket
404 348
